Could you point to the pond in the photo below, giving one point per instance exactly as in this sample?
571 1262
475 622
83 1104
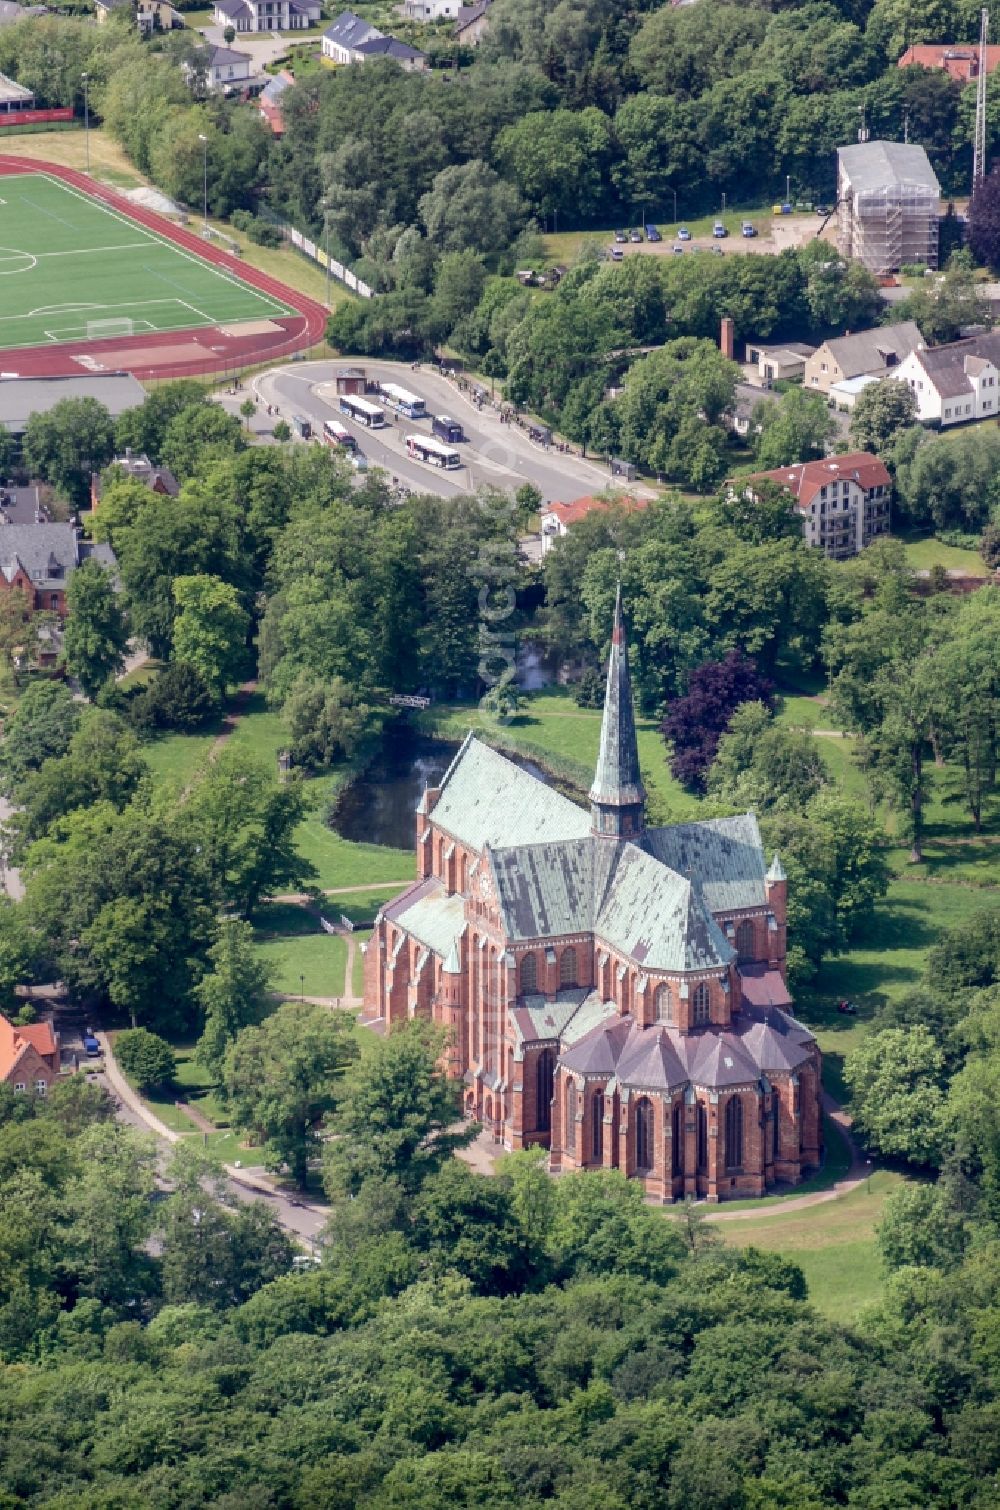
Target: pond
379 807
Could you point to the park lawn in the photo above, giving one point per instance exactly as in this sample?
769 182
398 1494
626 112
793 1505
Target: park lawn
177 758
833 1243
310 965
69 149
835 1166
339 862
358 971
359 906
924 552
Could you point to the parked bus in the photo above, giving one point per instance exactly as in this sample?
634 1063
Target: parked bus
447 429
423 448
336 434
403 401
362 411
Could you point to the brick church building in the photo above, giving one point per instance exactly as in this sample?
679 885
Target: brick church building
615 992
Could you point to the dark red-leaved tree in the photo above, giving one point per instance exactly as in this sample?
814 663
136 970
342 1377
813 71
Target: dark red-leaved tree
984 220
696 722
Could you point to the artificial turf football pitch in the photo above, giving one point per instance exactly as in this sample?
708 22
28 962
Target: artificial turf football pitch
70 266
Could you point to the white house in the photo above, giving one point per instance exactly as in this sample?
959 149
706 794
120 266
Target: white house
267 15
349 39
843 501
955 383
224 68
431 10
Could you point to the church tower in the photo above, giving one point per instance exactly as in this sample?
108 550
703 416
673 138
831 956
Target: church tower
617 797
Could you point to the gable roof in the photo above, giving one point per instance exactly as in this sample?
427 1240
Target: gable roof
724 856
806 478
948 367
485 799
467 14
388 47
867 350
960 60
350 30
571 513
659 919
47 553
20 1043
872 167
225 57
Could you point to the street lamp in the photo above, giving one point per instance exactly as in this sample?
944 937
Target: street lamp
326 229
788 188
204 200
86 115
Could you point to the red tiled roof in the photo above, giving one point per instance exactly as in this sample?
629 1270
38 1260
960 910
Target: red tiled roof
960 60
805 478
15 1041
570 513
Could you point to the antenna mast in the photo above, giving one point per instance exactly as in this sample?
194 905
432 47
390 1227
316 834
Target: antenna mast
979 150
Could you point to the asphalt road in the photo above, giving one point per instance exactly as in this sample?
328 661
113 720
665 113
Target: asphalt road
495 454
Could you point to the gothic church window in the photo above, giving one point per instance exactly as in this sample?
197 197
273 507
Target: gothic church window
644 1134
597 1126
745 945
677 1139
567 967
734 1133
529 975
544 1076
700 1004
664 1005
702 1139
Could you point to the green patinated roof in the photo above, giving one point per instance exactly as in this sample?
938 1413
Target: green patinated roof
545 890
487 800
723 855
658 918
430 916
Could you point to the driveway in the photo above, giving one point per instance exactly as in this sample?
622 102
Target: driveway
262 49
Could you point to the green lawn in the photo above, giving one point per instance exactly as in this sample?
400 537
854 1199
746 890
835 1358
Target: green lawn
177 758
924 552
833 1243
313 964
57 240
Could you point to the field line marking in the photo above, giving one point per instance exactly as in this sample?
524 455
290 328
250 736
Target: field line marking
221 273
85 251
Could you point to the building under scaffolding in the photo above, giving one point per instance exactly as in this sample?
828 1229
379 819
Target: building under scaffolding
887 205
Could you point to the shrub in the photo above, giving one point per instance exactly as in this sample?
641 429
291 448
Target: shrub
259 230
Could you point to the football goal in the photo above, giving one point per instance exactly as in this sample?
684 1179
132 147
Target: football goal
100 330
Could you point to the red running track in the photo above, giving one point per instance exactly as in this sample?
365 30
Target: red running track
221 352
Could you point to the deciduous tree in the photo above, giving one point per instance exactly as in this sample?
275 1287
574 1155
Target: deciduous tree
96 632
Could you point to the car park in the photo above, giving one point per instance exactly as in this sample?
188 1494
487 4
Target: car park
652 234
748 228
676 250
620 236
719 230
635 235
683 234
616 254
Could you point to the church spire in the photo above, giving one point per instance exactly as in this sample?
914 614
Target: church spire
617 796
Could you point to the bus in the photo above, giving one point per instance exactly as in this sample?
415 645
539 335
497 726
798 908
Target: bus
403 401
447 429
336 434
361 410
423 448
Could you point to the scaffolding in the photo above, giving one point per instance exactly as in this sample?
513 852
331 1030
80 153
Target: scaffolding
888 202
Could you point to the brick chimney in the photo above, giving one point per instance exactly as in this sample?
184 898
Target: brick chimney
727 337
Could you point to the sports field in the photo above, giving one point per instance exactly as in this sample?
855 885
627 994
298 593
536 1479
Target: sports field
73 269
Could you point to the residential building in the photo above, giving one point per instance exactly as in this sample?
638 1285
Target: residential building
556 518
269 103
29 1056
349 39
843 501
134 465
888 205
782 363
267 15
748 399
957 382
845 394
22 397
149 15
614 993
431 10
472 23
39 559
960 61
874 353
223 68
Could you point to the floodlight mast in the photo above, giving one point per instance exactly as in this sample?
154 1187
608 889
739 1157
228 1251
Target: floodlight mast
979 150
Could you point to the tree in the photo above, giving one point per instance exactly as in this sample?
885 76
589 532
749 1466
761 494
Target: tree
329 722
395 1114
984 220
920 1226
17 953
145 428
40 727
672 408
210 630
695 722
282 431
176 699
282 1080
110 1213
761 513
943 304
96 634
245 819
798 427
558 159
882 411
68 444
233 995
897 1096
197 433
148 1060
949 482
761 765
469 206
248 409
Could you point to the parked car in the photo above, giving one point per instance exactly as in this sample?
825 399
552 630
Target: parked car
635 235
91 1046
824 210
719 230
620 236
683 234
616 254
676 249
748 228
652 234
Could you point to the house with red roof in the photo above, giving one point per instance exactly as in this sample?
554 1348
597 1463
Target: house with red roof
29 1055
959 60
843 501
557 517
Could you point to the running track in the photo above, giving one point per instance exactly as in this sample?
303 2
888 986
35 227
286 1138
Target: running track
297 332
